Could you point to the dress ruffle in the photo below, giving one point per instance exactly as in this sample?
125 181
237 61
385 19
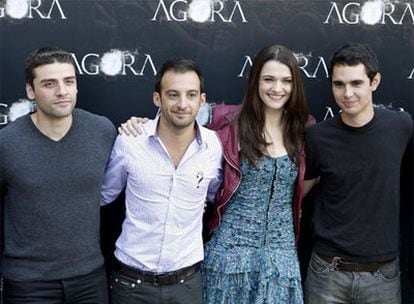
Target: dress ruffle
238 260
231 277
250 288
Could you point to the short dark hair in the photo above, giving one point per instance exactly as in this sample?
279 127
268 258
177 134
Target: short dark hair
45 55
178 65
353 54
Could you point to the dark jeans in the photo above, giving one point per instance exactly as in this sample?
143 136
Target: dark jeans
126 290
87 289
325 285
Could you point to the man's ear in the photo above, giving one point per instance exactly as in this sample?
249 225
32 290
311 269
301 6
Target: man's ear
376 81
156 98
203 97
30 92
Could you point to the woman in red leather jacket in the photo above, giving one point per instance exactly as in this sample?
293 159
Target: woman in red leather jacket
251 257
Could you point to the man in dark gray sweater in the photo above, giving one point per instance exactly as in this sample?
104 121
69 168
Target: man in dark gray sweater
52 164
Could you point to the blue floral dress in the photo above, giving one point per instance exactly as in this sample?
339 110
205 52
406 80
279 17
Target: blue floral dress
251 258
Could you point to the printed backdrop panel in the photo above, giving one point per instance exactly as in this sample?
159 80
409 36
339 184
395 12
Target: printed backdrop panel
119 45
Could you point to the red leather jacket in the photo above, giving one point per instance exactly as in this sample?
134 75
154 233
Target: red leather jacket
223 122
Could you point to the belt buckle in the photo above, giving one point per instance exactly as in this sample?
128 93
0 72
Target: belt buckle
157 279
336 261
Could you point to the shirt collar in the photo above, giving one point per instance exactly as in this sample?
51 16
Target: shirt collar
152 130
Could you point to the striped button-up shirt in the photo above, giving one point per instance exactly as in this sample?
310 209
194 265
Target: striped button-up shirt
164 204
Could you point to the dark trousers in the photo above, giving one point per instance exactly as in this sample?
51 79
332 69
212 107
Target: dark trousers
87 289
126 290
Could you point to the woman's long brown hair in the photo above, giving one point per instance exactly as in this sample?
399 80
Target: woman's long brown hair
251 119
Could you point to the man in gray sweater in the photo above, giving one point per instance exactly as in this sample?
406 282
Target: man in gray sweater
51 169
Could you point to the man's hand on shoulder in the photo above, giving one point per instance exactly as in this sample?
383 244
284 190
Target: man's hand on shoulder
132 126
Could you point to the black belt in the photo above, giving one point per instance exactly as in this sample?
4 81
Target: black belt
342 265
165 278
